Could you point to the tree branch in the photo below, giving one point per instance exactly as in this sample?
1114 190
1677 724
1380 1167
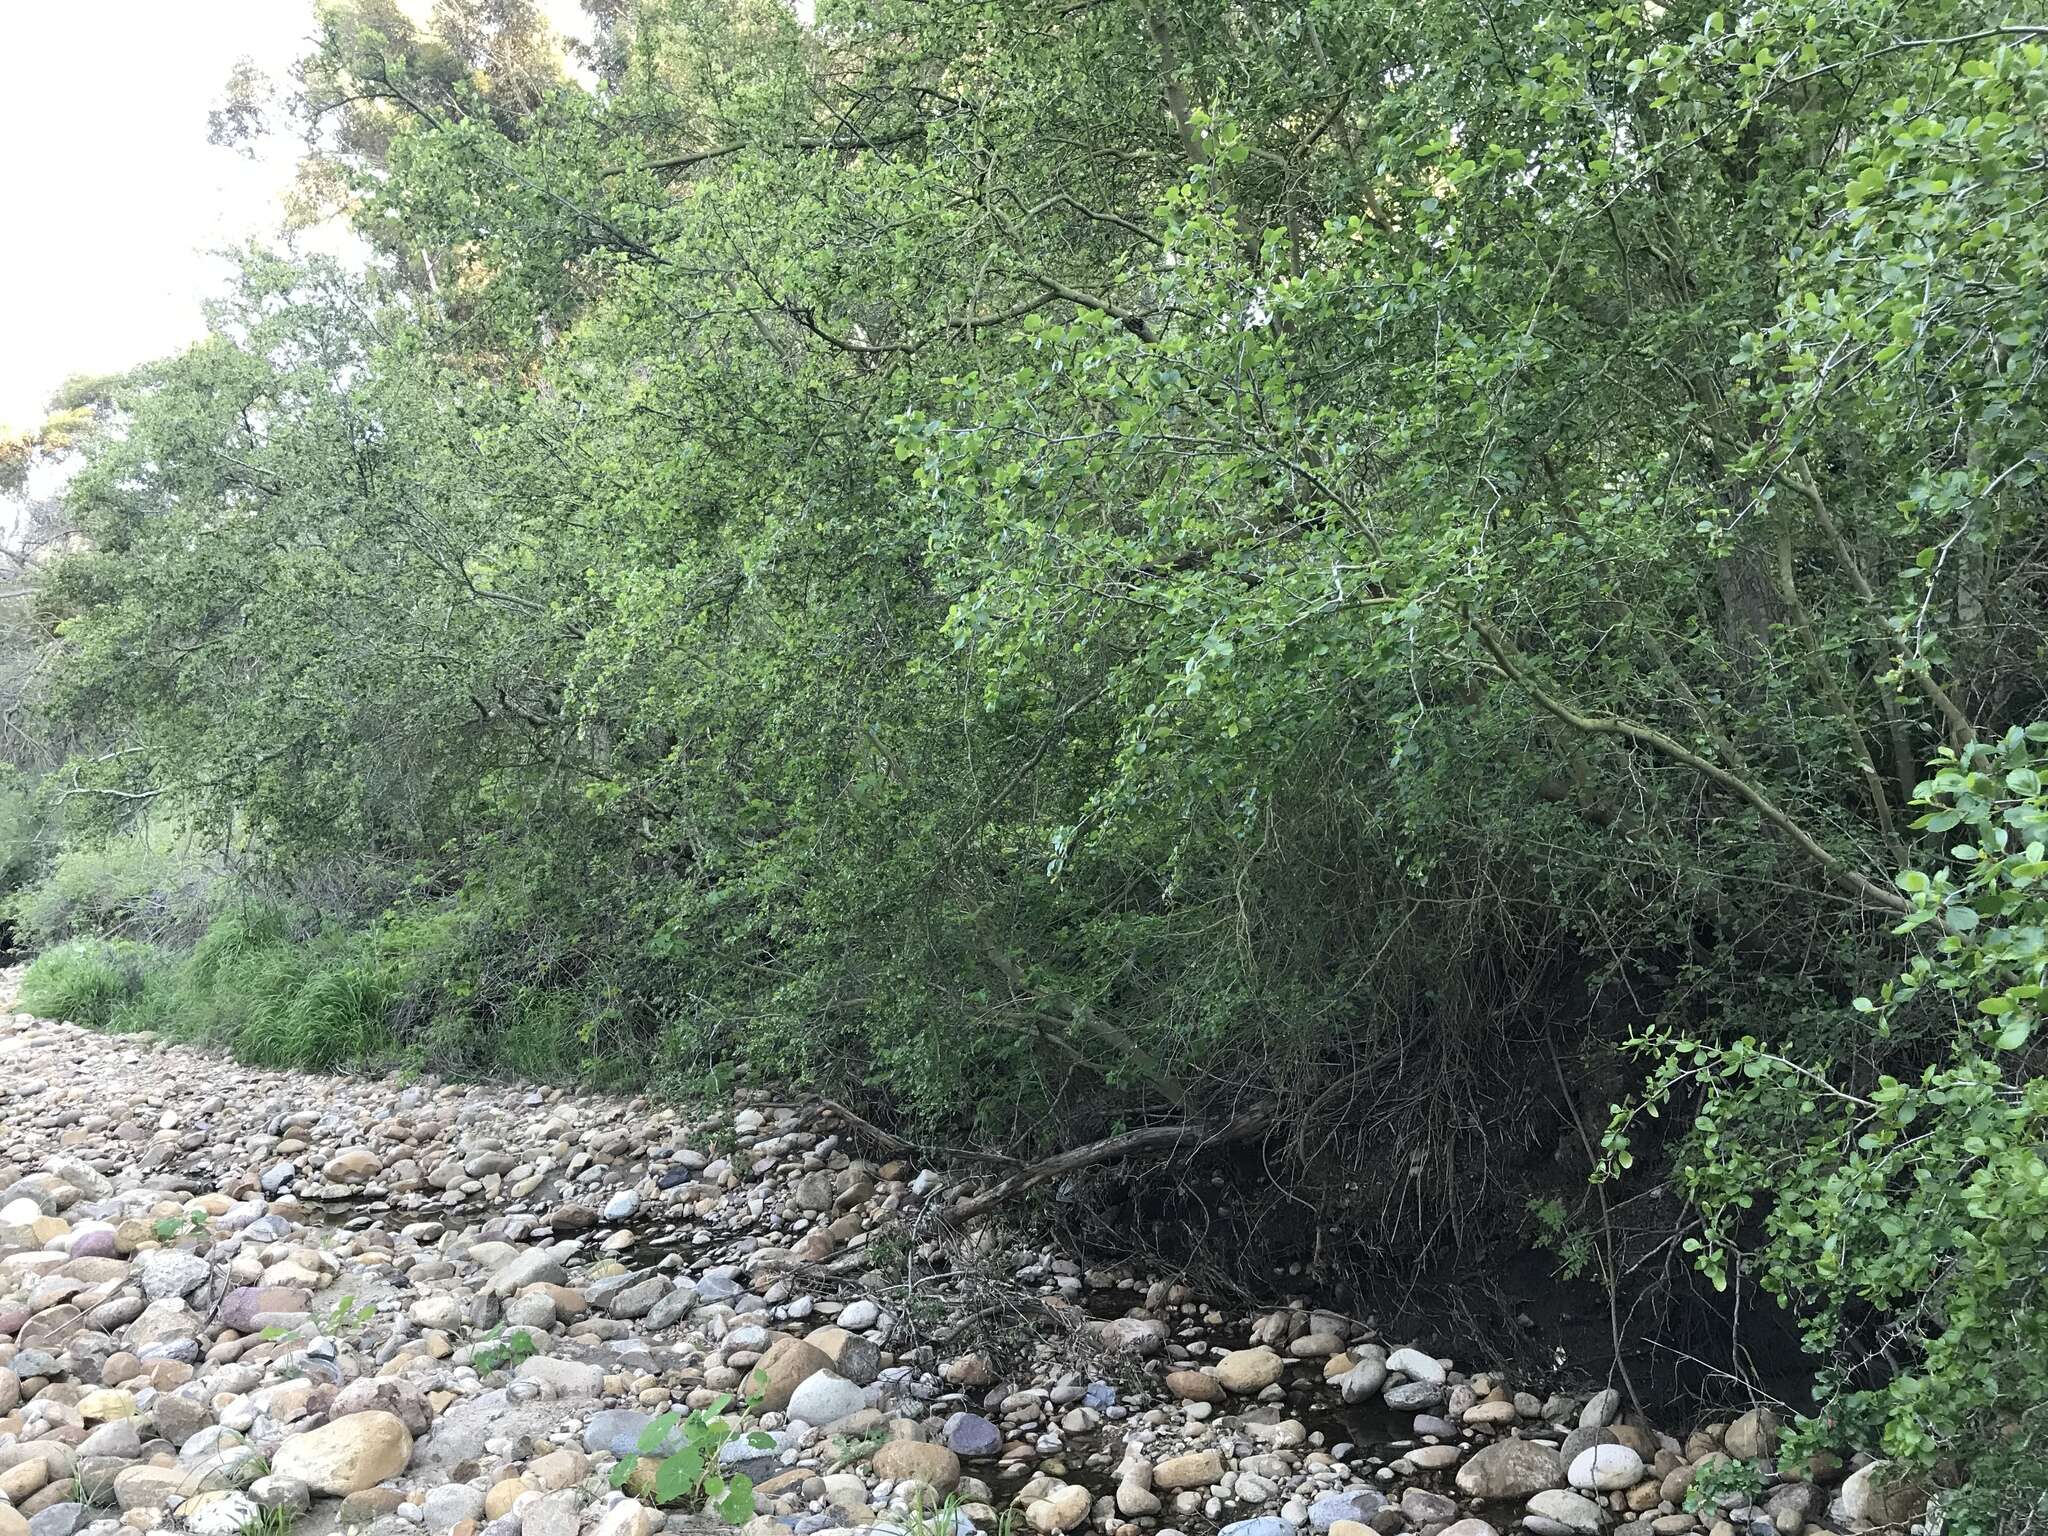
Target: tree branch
1837 868
1171 1138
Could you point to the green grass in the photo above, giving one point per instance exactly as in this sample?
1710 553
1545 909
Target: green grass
88 981
245 987
277 993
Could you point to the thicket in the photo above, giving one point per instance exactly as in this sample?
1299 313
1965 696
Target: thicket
1317 569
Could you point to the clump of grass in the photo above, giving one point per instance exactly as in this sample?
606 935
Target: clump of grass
246 986
277 989
88 981
277 1520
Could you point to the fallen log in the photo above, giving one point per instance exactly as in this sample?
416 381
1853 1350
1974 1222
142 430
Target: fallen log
1190 1135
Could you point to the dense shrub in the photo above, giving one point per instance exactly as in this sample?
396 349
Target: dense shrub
150 884
1920 1199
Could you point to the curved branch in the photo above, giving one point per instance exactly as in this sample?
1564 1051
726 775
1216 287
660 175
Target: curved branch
1169 1138
1837 867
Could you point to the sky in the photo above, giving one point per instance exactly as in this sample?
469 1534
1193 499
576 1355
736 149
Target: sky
114 197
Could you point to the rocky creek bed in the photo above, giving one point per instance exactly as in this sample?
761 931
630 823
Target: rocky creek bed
234 1299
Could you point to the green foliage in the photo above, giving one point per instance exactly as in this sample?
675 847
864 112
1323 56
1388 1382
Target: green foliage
168 1227
1920 1199
1557 1230
148 884
349 1316
688 1445
1719 1478
87 981
22 832
499 1349
276 1520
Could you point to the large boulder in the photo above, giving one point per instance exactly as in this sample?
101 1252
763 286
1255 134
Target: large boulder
1879 1494
788 1363
856 1358
1197 1469
1246 1371
536 1266
1355 1504
971 1435
1132 1336
1601 1409
825 1397
167 1272
1062 1509
347 1455
1568 1509
1416 1366
1753 1435
1605 1468
391 1394
1510 1469
917 1462
1365 1379
1194 1387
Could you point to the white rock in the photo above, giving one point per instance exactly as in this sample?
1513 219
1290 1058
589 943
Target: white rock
1868 1499
167 1272
825 1398
1605 1468
622 1206
219 1514
628 1517
1416 1366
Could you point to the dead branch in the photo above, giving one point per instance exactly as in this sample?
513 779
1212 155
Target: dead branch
1157 1138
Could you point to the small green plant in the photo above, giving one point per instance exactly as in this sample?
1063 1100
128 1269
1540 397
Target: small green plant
1717 1477
167 1228
690 1472
348 1316
1573 1244
947 1520
498 1348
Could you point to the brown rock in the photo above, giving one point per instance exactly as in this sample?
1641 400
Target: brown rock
1194 1387
1197 1469
787 1365
919 1462
1754 1434
1247 1371
347 1454
1510 1469
856 1358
